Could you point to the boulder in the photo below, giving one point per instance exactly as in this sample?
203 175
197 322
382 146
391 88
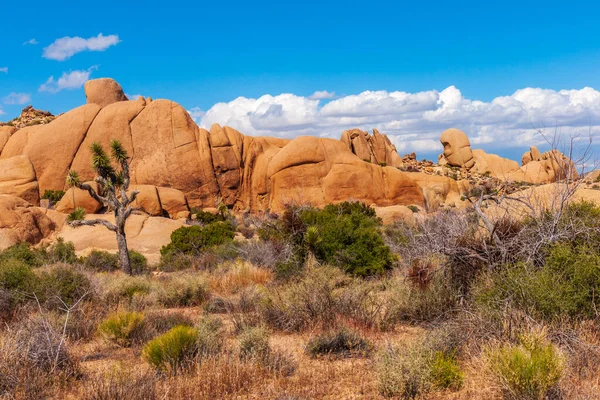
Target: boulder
457 148
52 147
5 134
103 91
532 155
493 165
75 198
392 214
173 201
21 222
376 148
18 178
147 199
437 190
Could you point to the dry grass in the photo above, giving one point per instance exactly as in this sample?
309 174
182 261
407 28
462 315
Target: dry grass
232 277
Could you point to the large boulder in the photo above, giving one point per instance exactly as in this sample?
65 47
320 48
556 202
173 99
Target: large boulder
457 148
532 155
52 147
75 198
103 91
21 222
18 178
376 149
322 171
493 165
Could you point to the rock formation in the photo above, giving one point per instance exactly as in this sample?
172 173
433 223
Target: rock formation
457 149
376 148
29 117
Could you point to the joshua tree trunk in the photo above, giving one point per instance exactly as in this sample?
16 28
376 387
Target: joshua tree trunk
124 260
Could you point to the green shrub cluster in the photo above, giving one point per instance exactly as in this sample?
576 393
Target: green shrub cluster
122 327
173 350
53 195
193 240
346 235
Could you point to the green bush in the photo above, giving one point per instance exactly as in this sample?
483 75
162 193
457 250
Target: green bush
566 285
210 336
64 283
139 263
122 327
445 371
126 288
61 252
53 195
18 280
25 253
529 370
172 350
343 343
206 217
194 240
101 261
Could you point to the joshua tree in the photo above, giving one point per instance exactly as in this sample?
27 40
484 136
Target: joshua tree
113 185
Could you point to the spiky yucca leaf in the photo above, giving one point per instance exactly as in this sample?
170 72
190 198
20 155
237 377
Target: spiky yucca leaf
77 215
101 161
73 178
118 151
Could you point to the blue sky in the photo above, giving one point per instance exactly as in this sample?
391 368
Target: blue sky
203 53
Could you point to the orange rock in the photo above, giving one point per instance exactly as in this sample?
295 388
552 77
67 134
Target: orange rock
457 148
21 222
103 91
18 178
75 198
173 201
5 134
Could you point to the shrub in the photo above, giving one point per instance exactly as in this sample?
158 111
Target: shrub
158 322
210 336
343 343
101 261
53 195
25 253
445 371
139 263
121 384
122 327
347 235
566 285
528 370
173 350
194 239
64 283
61 252
17 276
182 291
206 217
254 342
77 215
413 208
119 287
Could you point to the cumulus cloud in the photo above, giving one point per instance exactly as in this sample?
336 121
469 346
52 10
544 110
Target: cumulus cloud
68 80
196 113
30 41
64 48
321 95
17 98
414 121
4 69
133 96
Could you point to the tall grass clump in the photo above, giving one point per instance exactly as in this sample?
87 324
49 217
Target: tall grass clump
173 350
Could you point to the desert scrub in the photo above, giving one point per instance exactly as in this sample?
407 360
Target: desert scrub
528 370
181 290
410 372
77 215
101 261
194 240
63 284
122 327
341 343
173 350
566 285
211 337
255 348
25 253
118 287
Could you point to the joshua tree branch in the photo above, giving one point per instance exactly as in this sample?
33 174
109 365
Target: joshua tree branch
92 192
93 222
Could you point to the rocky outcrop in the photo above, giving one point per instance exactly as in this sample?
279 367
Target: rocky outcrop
21 222
29 117
5 134
103 91
457 149
532 155
376 148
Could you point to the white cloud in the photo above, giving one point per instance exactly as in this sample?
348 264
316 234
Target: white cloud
17 98
321 95
64 48
133 96
30 41
414 121
68 80
4 69
196 113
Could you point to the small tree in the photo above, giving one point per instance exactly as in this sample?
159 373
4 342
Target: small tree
113 185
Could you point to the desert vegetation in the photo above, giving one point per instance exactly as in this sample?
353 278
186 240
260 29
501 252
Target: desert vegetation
316 303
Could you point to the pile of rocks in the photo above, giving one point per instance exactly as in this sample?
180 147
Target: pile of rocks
30 116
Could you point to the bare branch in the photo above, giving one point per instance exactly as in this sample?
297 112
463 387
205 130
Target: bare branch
93 222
